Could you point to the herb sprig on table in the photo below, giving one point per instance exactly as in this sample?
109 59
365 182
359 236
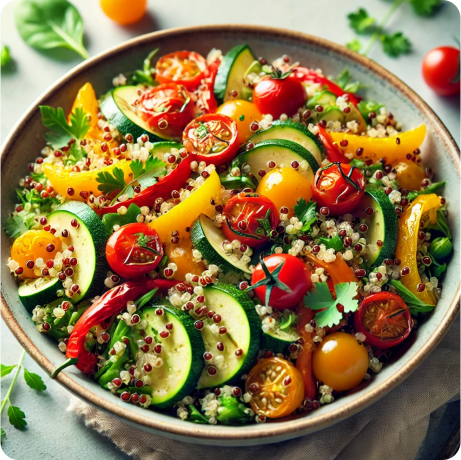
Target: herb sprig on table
394 44
16 416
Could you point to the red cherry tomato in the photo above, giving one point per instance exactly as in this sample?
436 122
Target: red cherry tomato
276 96
134 250
287 284
250 218
212 138
338 187
206 101
167 108
441 70
384 318
185 68
334 153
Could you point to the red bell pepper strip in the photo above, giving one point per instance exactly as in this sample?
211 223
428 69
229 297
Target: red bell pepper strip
304 360
307 75
109 304
162 189
334 153
206 102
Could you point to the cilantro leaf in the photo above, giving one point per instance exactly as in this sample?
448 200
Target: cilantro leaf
306 213
414 304
112 219
336 242
322 300
7 369
434 188
147 176
361 22
355 45
396 44
61 131
111 181
137 168
344 82
15 226
34 381
366 107
17 417
425 7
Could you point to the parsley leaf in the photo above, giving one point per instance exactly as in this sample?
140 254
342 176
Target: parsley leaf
414 304
431 189
306 213
322 300
16 225
396 44
17 417
336 242
112 219
425 7
110 181
62 131
34 381
361 22
7 369
147 175
344 82
355 45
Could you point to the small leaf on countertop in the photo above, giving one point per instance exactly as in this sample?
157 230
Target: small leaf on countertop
34 381
17 417
7 369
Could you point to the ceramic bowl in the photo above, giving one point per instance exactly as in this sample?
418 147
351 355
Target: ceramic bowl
439 151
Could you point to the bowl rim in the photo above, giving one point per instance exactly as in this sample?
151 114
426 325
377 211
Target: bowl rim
274 432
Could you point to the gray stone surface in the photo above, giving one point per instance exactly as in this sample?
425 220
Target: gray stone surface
52 431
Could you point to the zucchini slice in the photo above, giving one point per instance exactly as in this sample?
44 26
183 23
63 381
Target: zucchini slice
240 341
39 291
324 98
117 107
181 353
89 240
231 73
291 131
382 225
160 148
278 340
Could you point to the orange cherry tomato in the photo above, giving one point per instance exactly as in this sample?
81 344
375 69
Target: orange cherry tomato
124 12
340 361
276 387
181 255
185 68
33 245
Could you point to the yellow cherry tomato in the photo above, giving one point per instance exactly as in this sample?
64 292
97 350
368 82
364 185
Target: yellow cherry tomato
124 12
243 113
394 149
70 184
276 387
33 245
409 175
340 361
421 212
184 214
181 255
284 187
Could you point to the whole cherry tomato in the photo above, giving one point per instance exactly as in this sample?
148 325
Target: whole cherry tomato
167 108
185 68
276 96
276 387
211 138
281 281
134 250
441 68
124 12
338 187
250 218
384 318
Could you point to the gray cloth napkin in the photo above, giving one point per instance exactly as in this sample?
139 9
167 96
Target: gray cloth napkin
393 428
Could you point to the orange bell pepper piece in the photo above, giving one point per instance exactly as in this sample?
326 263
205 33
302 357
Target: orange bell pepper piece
338 270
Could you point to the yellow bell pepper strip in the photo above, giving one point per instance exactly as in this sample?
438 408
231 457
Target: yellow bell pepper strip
421 212
70 184
394 149
409 175
184 214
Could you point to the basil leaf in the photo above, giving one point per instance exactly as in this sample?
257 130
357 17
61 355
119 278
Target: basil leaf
50 24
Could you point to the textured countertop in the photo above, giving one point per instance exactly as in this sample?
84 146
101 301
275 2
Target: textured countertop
53 432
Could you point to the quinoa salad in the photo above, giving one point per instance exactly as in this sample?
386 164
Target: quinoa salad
227 239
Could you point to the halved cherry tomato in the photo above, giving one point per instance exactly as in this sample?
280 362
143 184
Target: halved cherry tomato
339 187
340 361
33 245
250 218
384 318
276 387
277 96
206 101
185 68
281 281
134 250
244 113
212 138
333 152
167 108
